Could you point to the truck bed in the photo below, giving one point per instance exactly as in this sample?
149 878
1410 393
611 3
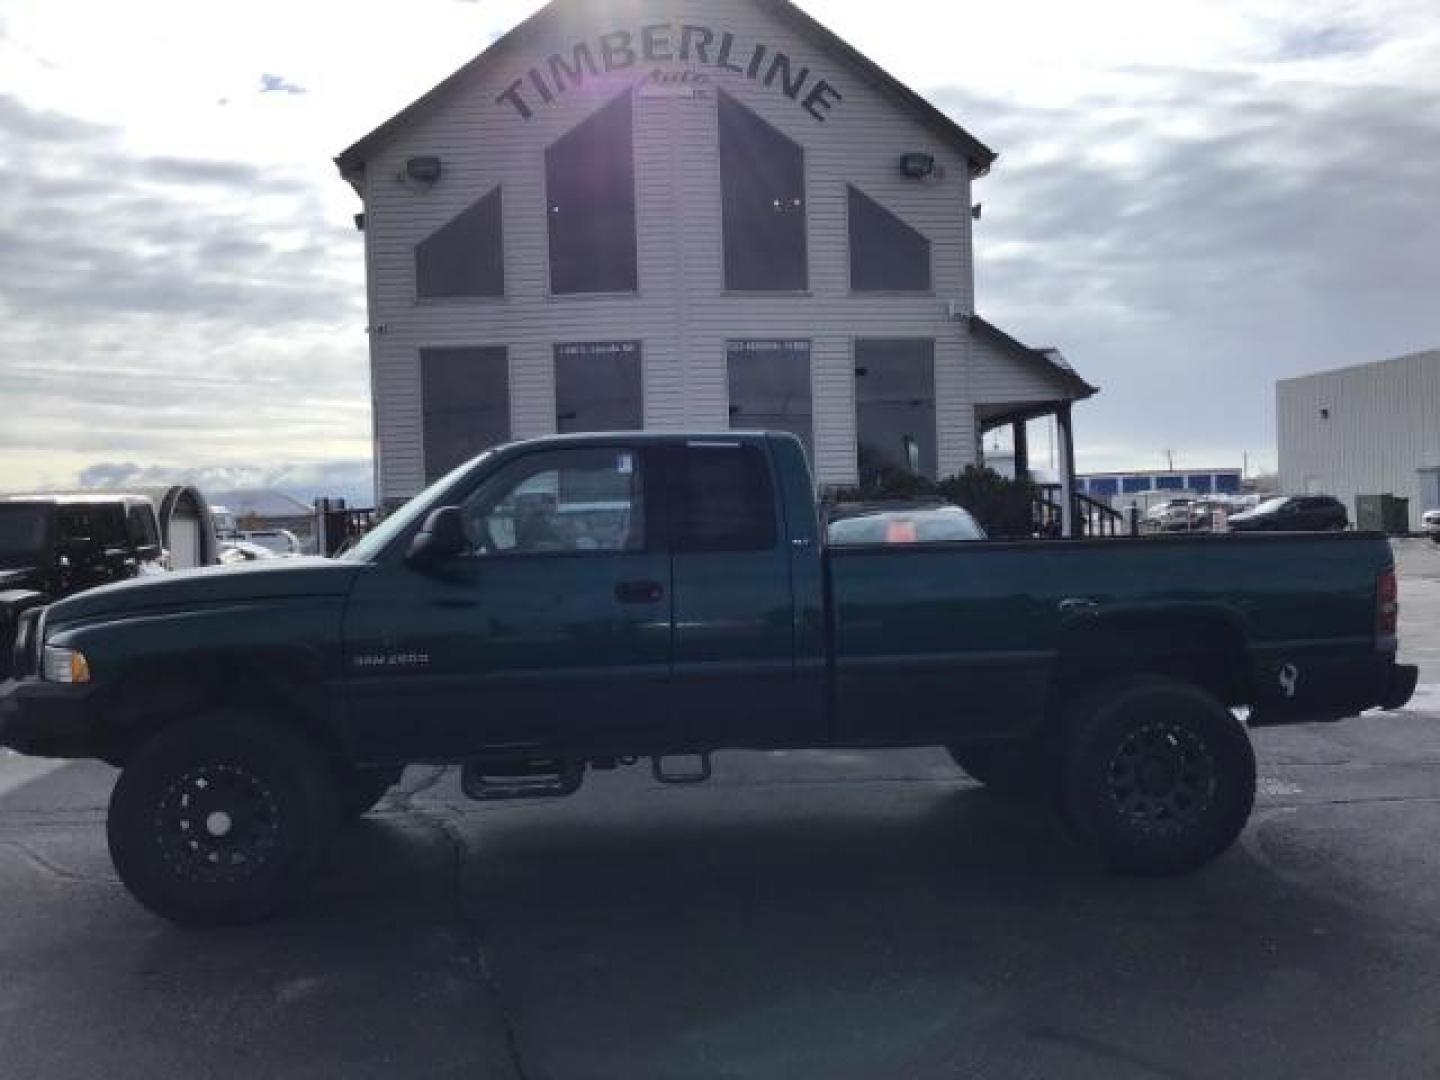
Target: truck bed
1006 622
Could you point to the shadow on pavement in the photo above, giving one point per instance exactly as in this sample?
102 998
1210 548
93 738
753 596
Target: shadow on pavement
824 929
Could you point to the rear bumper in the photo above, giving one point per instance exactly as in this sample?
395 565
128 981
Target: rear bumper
1399 686
47 719
1331 688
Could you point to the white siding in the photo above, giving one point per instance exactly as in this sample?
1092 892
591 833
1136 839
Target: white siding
996 378
1384 425
681 312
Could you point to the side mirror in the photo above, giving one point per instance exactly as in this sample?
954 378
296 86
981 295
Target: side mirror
441 537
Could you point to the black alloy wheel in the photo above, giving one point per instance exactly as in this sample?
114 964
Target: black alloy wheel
222 819
1159 776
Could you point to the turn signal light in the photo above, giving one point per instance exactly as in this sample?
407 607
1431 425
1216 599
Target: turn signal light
66 665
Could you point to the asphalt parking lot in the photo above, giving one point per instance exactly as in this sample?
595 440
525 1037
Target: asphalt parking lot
804 915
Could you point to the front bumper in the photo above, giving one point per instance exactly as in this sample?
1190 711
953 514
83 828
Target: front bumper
43 719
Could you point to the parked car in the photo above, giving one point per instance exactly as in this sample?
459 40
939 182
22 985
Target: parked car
52 546
891 523
1100 676
1430 524
1293 513
241 551
278 541
1163 510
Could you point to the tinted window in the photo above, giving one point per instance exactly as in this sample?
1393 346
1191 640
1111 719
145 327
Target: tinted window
590 185
97 526
886 255
762 186
722 500
22 531
770 387
465 256
587 499
597 387
895 407
466 404
141 530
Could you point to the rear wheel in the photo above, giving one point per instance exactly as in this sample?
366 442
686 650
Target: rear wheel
221 820
1158 776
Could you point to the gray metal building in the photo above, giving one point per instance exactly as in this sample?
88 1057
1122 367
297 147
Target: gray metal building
1372 429
679 214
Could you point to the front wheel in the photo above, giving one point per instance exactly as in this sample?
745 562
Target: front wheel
1159 776
221 820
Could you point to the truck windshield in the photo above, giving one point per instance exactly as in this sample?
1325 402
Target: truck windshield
22 533
379 538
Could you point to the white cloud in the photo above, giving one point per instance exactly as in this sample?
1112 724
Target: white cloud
180 278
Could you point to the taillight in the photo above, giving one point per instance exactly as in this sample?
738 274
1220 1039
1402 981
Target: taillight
1387 603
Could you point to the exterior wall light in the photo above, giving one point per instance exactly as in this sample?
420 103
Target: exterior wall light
424 170
917 166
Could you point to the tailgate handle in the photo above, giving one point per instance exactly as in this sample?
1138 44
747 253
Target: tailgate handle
1075 604
639 592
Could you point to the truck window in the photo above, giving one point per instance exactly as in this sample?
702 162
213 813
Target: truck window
587 499
722 500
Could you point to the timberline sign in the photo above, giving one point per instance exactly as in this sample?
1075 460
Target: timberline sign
701 47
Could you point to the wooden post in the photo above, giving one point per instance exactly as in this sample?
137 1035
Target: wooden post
1019 437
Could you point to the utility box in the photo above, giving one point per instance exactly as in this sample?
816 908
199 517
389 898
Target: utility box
1382 513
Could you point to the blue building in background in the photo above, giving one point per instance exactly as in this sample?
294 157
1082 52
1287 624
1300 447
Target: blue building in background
1191 481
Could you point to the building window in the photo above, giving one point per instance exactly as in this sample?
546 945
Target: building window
770 387
886 255
465 400
590 188
597 387
895 407
465 256
1133 485
762 185
722 500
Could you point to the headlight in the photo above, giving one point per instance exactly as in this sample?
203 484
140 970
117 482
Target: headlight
65 665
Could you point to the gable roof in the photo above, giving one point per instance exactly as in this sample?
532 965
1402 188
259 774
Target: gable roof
351 161
1048 361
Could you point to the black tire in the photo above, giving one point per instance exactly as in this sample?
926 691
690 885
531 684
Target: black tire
266 786
362 789
1027 770
1159 776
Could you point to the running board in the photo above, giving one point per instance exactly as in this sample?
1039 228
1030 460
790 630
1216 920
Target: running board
494 779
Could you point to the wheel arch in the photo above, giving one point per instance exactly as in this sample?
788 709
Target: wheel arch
288 685
1205 645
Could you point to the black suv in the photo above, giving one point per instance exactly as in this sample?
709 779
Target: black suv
1293 513
54 545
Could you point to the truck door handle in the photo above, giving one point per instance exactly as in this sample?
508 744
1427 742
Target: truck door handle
639 592
1075 604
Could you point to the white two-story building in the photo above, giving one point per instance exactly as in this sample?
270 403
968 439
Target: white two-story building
682 214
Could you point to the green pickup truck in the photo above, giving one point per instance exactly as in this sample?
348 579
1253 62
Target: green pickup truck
584 602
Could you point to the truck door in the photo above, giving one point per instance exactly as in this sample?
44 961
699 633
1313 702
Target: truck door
735 680
552 631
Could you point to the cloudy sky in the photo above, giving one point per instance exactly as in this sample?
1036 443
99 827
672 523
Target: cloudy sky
1193 199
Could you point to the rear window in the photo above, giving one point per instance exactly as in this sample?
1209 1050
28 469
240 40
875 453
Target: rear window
100 525
141 528
722 500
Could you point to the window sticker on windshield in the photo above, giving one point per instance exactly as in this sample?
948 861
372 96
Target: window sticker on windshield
625 464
